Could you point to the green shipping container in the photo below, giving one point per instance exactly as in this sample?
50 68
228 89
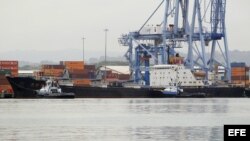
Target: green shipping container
4 72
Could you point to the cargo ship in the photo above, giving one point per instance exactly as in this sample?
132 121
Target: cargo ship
26 87
160 78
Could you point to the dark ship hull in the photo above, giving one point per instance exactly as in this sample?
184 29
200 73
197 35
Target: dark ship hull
25 87
96 92
247 92
218 91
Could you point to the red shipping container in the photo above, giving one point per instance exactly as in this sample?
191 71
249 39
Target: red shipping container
4 82
8 62
123 76
81 82
9 68
112 75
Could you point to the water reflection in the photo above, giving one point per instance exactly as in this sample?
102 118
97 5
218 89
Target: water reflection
177 133
178 106
120 119
114 133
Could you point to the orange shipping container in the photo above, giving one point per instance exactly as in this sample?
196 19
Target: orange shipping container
16 71
239 69
52 71
5 86
81 82
77 71
15 74
74 64
74 67
236 71
238 74
53 67
53 74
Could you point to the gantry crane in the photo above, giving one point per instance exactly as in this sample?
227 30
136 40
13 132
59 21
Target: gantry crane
197 25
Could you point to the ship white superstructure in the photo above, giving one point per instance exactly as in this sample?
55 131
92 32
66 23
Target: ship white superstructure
165 75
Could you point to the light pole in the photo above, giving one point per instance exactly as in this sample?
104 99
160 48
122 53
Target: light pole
83 49
105 59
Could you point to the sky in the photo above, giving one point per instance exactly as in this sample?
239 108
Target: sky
29 26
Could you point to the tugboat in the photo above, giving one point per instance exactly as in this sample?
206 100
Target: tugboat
172 89
52 90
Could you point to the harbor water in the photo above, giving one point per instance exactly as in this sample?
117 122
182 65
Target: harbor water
172 119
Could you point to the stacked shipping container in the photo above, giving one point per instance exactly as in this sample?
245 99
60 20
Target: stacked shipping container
77 65
10 65
7 68
80 74
114 75
240 74
5 87
38 74
52 70
111 76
